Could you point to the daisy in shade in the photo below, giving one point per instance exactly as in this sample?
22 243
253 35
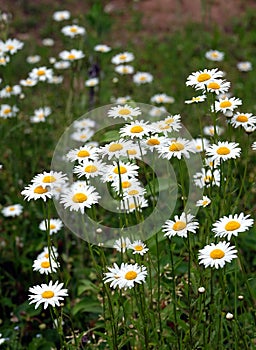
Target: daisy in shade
152 142
162 98
83 153
216 255
254 146
219 86
92 82
47 294
35 191
82 135
124 69
119 170
79 196
223 150
200 144
44 265
196 99
45 253
136 129
55 225
180 226
227 105
71 55
210 130
232 225
139 247
121 58
73 30
102 48
203 77
11 46
122 244
142 78
214 55
176 148
61 15
126 276
50 179
115 149
41 74
207 178
244 66
203 202
125 112
90 169
12 210
133 204
243 119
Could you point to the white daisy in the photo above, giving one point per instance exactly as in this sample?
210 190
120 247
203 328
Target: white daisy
73 30
135 151
47 294
157 111
90 169
223 150
28 82
254 146
201 78
232 225
120 170
122 244
62 64
92 82
162 98
216 255
41 74
112 276
200 144
139 247
71 55
243 119
46 266
227 105
9 91
11 46
7 111
134 191
136 129
219 86
45 253
61 15
196 99
176 148
207 178
82 135
35 191
245 66
203 202
33 59
125 112
102 48
50 179
124 69
214 55
122 100
4 60
84 123
154 141
209 130
40 114
55 225
48 42
83 153
180 226
142 78
12 210
123 57
132 204
78 198
126 185
115 149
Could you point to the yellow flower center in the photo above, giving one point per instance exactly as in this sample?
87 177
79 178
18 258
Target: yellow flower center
214 54
196 99
203 77
132 206
2 59
198 147
169 121
217 254
40 190
45 264
136 129
124 111
48 294
40 72
133 192
242 118
8 89
176 147
131 152
49 179
79 198
205 202
83 153
90 169
115 147
153 142
10 47
232 225
121 170
46 255
71 56
225 104
73 29
179 225
142 78
7 110
130 275
126 184
122 57
222 151
83 136
138 247
213 85
208 178
125 70
52 226
11 208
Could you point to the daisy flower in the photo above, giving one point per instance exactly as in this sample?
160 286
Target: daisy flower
28 82
139 247
165 128
142 78
136 129
12 210
122 100
176 148
219 86
214 55
124 69
7 111
90 169
4 60
73 30
79 196
196 99
55 225
12 46
120 170
203 77
84 123
209 130
61 15
125 112
135 151
33 59
227 105
122 244
92 82
45 253
180 226
9 91
244 66
62 64
48 42
232 225
243 119
82 135
200 144
35 191
115 149
216 255
162 98
207 178
121 58
134 191
157 111
223 150
203 202
50 179
47 294
41 74
133 204
102 48
44 265
126 276
40 114
126 185
83 153
71 55
154 141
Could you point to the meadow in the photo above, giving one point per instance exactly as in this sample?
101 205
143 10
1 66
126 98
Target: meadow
127 175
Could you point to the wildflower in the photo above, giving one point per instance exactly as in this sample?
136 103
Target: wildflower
232 225
134 191
33 59
90 169
196 99
50 179
83 153
154 141
48 42
139 247
207 178
121 58
180 226
41 74
170 124
200 144
35 191
71 55
56 79
124 69
59 16
79 196
126 185
11 46
125 112
122 100
7 111
142 78
40 114
136 129
203 202
84 123
102 48
4 60
244 66
227 105
214 55
9 91
115 149
157 111
229 316
82 135
243 119
201 290
47 294
201 78
210 130
135 151
254 146
28 82
2 340
120 170
45 253
162 98
223 150
176 148
122 244
61 64
12 210
54 225
133 204
92 82
216 255
73 30
44 265
219 86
